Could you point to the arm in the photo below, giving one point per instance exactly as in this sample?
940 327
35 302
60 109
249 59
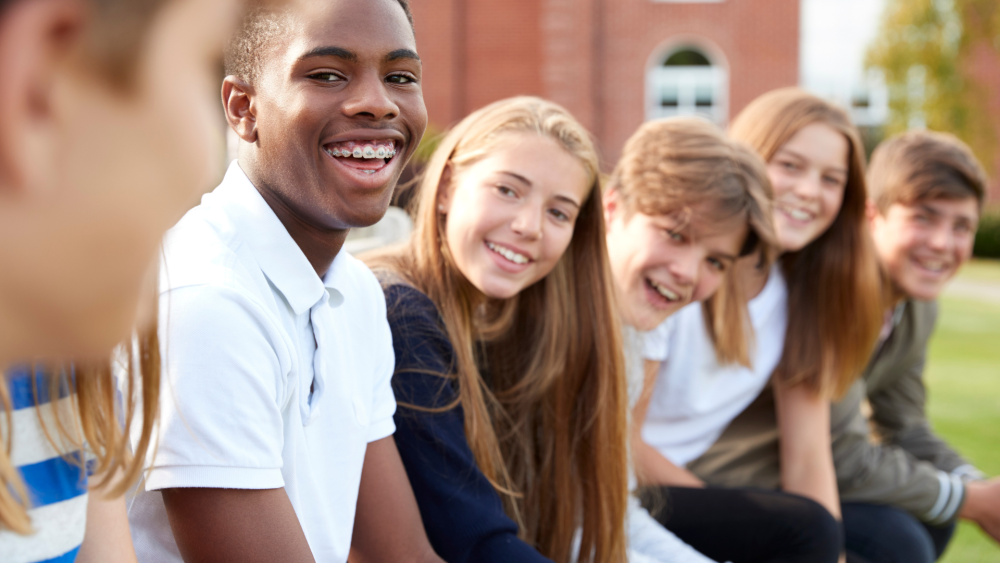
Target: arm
899 415
651 467
982 505
806 457
887 474
107 538
235 525
387 524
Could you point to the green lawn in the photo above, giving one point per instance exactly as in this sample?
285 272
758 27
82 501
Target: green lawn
963 379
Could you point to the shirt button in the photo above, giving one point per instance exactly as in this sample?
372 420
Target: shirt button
360 412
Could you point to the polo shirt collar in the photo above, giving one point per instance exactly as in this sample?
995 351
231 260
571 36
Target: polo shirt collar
278 255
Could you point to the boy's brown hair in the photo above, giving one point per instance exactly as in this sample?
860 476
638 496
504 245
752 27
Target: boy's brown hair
671 165
923 165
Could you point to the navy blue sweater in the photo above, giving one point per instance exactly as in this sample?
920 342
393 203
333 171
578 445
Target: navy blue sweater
462 512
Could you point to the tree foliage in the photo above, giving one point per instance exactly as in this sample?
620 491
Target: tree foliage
924 49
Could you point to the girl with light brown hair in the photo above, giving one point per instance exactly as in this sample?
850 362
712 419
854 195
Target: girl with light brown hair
815 314
512 406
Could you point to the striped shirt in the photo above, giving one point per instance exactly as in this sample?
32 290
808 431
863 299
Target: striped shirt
56 482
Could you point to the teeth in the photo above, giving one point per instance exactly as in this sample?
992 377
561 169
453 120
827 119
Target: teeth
366 152
933 265
508 254
799 215
669 295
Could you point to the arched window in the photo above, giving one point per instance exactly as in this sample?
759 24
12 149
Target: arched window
686 82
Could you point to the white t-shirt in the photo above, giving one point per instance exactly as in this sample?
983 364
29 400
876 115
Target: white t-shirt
695 397
272 377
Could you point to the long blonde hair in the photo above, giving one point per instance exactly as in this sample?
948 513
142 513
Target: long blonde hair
835 296
96 422
549 427
670 165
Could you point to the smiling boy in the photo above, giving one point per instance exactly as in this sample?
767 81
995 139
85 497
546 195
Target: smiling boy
275 442
900 495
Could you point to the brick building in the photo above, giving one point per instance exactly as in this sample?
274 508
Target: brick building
613 63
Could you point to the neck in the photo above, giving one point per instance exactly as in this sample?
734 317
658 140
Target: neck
320 245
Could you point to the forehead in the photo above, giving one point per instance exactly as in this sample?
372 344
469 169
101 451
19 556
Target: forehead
820 144
540 160
708 224
370 29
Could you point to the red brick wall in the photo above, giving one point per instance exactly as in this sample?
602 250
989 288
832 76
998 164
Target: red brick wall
592 55
984 69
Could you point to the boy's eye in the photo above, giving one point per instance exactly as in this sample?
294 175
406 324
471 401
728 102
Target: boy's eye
717 264
400 79
325 77
675 236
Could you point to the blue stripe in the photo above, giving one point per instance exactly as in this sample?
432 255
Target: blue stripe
53 480
24 380
68 557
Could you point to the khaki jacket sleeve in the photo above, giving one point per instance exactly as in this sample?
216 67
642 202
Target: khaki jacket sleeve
909 467
900 419
886 474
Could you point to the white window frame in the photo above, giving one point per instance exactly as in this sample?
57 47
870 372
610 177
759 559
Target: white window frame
687 80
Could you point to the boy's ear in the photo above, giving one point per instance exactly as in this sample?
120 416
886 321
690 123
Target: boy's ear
239 103
37 39
871 211
610 200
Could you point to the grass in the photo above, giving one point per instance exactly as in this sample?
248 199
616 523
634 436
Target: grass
963 380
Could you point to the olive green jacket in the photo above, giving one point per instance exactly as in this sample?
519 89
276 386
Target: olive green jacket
907 466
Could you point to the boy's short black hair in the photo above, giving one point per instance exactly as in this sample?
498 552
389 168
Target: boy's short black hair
245 53
923 165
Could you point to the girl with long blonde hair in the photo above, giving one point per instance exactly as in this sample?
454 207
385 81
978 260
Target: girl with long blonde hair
512 401
815 314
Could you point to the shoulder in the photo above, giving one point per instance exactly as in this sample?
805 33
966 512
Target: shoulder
203 248
923 315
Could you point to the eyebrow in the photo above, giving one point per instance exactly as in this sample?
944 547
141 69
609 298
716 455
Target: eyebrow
347 55
528 183
338 52
401 54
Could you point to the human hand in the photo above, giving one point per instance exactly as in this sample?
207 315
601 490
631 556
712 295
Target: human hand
982 505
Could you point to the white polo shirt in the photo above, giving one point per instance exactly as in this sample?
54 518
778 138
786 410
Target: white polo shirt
695 397
272 376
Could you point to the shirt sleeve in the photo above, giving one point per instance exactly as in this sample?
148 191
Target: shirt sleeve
223 381
886 473
656 343
898 412
383 399
462 512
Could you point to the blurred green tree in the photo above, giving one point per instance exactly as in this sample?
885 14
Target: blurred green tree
924 47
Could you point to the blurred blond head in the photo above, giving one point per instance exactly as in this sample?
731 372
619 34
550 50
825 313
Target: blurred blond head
108 133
